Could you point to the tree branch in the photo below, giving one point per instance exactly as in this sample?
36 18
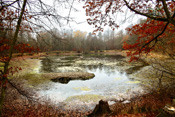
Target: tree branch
166 9
19 91
70 11
144 14
155 38
8 5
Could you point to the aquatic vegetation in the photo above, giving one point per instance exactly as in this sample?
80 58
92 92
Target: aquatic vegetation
35 79
133 82
85 98
82 88
117 78
106 82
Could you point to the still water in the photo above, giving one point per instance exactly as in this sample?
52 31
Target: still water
108 84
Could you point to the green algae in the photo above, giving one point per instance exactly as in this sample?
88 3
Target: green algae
133 82
85 98
117 78
82 88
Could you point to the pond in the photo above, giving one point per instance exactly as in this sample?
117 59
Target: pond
108 84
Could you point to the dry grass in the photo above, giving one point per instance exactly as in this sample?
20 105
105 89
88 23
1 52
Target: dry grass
148 105
16 105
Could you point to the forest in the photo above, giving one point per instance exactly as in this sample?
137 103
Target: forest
49 68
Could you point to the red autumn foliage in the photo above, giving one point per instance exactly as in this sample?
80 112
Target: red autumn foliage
9 17
146 40
8 20
19 48
160 21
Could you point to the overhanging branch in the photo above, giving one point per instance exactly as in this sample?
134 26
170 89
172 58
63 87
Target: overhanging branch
155 38
144 14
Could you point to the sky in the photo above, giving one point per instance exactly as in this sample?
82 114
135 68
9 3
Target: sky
80 17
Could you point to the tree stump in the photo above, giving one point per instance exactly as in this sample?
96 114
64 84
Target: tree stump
166 112
101 109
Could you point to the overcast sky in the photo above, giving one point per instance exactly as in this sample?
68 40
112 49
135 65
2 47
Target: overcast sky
80 17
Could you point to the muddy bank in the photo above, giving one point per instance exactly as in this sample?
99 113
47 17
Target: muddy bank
68 76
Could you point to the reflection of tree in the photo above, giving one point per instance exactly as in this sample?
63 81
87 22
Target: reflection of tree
100 67
107 70
92 67
47 65
50 64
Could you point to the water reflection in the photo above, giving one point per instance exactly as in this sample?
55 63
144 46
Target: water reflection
108 82
47 64
62 80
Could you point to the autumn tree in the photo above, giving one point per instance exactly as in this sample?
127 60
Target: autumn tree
159 13
18 19
118 40
6 59
152 33
79 39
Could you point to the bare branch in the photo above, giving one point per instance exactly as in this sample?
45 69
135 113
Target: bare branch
70 11
166 9
7 5
19 91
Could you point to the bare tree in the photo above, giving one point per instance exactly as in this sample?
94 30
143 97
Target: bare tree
25 16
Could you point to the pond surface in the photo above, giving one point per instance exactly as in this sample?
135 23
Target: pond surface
108 84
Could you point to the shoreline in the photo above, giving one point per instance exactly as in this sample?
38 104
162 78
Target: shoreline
137 98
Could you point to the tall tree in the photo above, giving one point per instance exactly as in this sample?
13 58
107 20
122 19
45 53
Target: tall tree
79 39
160 16
5 72
153 33
22 16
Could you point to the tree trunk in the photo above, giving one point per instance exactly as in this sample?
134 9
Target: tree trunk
4 77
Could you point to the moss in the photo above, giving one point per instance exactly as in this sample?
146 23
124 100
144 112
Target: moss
34 79
29 72
2 64
28 64
90 76
133 82
82 88
2 68
85 98
117 78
